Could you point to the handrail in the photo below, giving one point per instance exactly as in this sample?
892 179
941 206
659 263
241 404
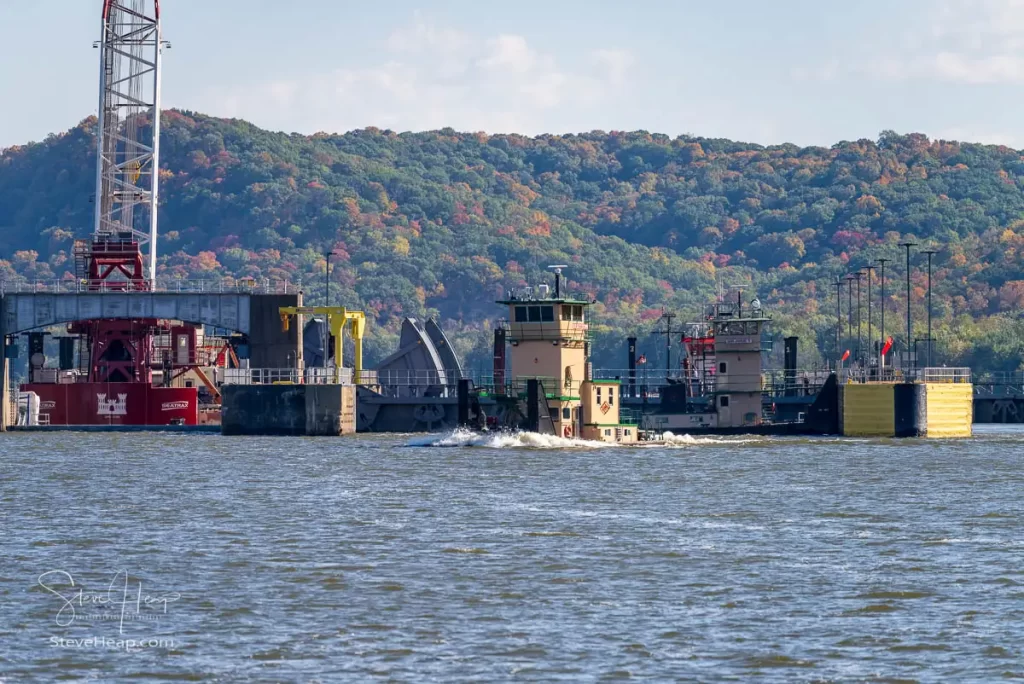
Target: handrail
74 286
292 376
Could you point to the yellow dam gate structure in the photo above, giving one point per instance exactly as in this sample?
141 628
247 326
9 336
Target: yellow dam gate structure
932 402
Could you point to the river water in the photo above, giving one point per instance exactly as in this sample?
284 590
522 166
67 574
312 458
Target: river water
175 557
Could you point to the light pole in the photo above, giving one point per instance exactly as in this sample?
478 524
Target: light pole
860 344
910 334
849 307
871 340
327 277
930 253
327 300
667 332
882 305
839 317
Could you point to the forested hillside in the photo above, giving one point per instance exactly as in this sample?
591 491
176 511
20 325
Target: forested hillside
441 223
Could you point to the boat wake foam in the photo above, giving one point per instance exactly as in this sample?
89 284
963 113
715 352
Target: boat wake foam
532 440
668 439
503 440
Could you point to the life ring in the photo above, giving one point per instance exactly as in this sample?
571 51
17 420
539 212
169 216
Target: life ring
567 431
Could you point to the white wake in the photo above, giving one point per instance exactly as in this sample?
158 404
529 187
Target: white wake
502 440
532 440
669 439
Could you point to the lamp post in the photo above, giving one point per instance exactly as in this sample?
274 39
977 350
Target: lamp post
327 300
667 332
327 277
849 307
860 343
930 253
839 317
910 334
871 340
882 305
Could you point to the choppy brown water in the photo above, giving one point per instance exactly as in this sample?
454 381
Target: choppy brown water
350 559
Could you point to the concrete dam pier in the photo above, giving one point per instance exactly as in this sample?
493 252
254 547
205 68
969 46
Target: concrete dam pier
289 410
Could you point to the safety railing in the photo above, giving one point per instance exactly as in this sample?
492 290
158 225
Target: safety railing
954 375
777 383
221 286
630 416
287 376
199 356
999 384
781 383
891 374
425 383
10 407
1000 378
647 383
412 378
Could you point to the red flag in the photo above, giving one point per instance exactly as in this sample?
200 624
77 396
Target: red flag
642 359
846 355
887 346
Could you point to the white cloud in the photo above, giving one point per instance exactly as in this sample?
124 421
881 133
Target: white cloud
963 41
975 69
827 71
617 63
434 77
423 35
510 53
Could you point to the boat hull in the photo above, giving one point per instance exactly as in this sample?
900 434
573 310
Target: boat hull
115 403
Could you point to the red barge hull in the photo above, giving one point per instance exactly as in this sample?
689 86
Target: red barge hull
115 403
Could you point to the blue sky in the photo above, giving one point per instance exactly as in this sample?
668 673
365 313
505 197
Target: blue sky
802 71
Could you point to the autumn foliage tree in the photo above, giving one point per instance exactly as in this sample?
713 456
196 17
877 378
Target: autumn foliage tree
440 223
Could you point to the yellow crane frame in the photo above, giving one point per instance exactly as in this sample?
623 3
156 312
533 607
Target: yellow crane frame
338 317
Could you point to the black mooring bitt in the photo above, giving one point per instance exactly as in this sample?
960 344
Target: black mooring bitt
911 410
789 363
533 405
464 399
631 388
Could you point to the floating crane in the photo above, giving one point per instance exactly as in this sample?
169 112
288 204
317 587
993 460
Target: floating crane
127 180
128 149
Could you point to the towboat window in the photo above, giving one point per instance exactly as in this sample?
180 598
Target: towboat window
611 396
547 314
751 327
534 314
723 368
567 414
598 395
520 314
723 402
577 313
566 312
607 433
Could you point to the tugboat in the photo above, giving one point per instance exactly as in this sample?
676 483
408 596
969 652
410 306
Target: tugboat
722 388
549 388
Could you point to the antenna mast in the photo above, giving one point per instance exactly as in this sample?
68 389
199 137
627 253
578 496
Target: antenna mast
668 332
557 268
128 139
